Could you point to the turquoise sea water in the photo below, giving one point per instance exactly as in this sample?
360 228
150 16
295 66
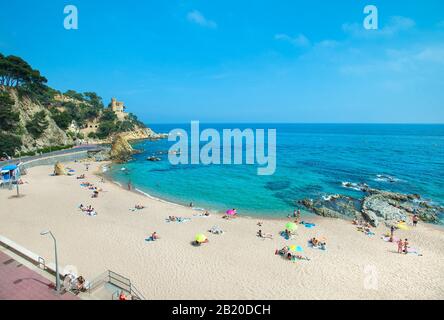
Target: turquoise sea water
312 160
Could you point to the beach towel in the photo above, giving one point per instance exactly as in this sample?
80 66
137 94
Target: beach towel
308 224
285 236
310 245
387 239
150 239
413 251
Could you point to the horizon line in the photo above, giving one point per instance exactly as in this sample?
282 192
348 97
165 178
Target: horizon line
302 123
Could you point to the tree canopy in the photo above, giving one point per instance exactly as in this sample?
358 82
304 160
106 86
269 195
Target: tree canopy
15 72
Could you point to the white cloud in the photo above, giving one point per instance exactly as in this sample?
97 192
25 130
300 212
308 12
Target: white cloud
298 41
431 54
328 43
198 18
395 25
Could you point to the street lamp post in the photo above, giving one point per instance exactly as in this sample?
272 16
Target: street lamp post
43 233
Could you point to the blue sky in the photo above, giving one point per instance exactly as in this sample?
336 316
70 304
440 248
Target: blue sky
241 61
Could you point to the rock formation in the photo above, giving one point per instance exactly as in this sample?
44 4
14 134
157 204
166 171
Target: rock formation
376 206
59 169
121 150
52 136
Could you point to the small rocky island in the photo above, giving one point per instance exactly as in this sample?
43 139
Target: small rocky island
376 206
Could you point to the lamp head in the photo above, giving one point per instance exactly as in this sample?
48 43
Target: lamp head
44 232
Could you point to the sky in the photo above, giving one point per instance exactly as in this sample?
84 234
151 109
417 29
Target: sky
241 61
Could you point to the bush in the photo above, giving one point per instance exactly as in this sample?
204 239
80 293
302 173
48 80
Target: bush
106 128
9 143
8 118
92 135
37 125
62 119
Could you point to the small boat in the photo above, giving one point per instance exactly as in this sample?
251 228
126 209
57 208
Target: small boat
154 159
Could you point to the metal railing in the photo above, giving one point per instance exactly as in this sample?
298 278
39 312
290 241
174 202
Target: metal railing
118 281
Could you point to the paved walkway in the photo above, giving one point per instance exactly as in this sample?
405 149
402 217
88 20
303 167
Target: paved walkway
90 147
18 282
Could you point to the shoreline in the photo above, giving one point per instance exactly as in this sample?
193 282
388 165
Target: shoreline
308 215
101 174
171 268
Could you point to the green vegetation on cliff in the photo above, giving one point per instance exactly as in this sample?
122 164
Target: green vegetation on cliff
29 108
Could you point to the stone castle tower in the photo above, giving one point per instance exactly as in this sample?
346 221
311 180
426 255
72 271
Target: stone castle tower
118 108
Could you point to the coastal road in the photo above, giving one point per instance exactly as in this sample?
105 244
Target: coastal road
89 147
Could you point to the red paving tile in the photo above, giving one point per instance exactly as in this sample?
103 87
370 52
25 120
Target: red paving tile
18 282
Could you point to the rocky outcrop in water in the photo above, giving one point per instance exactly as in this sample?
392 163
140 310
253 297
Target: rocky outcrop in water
376 206
121 150
335 206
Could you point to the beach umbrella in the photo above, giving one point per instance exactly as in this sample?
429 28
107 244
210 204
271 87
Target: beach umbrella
402 226
291 226
231 212
200 237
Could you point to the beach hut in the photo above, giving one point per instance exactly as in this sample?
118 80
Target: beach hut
10 173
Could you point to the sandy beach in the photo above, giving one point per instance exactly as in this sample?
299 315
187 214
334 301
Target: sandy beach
234 265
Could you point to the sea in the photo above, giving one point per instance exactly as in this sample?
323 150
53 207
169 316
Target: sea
312 161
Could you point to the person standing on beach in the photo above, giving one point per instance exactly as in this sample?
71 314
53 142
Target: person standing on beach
406 243
392 231
400 245
415 220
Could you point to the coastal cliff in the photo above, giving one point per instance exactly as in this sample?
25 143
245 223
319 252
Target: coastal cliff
35 128
35 118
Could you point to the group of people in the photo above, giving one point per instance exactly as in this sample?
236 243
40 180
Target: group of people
403 246
296 215
318 243
287 234
88 209
286 253
363 226
175 219
75 284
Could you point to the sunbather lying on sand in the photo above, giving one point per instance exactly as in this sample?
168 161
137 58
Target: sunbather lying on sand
294 257
262 235
81 177
198 243
216 230
283 251
139 207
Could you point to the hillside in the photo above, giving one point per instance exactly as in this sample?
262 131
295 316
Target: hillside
37 118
